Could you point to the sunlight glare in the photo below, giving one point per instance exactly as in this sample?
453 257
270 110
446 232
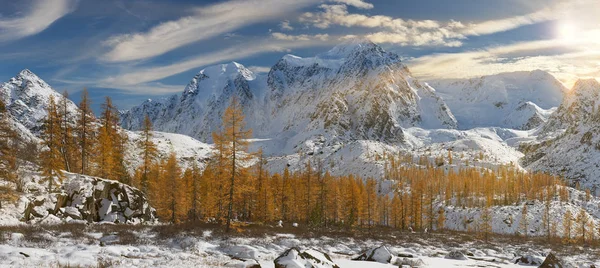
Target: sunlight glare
567 31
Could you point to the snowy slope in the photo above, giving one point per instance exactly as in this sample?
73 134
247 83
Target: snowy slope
517 100
354 91
187 149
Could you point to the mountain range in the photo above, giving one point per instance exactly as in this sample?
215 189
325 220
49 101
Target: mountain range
356 102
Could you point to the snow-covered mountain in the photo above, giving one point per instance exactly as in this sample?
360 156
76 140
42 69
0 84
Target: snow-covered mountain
580 104
354 91
27 97
573 149
517 100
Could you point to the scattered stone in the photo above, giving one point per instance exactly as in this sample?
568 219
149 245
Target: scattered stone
410 262
456 255
242 263
293 258
405 255
551 261
380 254
528 260
24 254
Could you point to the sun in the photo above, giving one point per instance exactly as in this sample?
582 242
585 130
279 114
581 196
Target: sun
567 31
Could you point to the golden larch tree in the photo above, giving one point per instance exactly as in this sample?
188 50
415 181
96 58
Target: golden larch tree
85 129
234 143
9 144
52 164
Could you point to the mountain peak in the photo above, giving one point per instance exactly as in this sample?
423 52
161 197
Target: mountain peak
352 46
26 72
588 89
586 84
231 69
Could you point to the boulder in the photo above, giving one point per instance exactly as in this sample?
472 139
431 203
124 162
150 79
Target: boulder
528 260
242 252
456 255
294 258
242 263
380 254
410 262
93 200
551 261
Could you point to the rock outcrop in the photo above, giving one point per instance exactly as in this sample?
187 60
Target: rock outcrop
90 199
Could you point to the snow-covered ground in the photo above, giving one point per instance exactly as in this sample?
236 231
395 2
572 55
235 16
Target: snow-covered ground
208 247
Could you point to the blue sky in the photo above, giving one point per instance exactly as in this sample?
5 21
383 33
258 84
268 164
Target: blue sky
132 50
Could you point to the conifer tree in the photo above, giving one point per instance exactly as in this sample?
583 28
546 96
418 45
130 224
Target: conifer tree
546 218
149 154
193 184
582 221
261 186
167 190
52 164
110 148
567 226
85 130
486 222
67 139
524 222
9 144
235 143
441 219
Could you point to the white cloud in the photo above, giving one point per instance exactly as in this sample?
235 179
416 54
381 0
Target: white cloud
285 26
38 17
501 25
301 37
423 39
396 30
205 23
355 3
427 32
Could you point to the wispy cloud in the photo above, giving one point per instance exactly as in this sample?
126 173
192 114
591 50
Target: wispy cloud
395 30
421 32
356 3
300 37
37 18
505 24
204 23
285 26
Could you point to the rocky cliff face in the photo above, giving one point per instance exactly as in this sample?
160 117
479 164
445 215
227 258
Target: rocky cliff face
354 91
